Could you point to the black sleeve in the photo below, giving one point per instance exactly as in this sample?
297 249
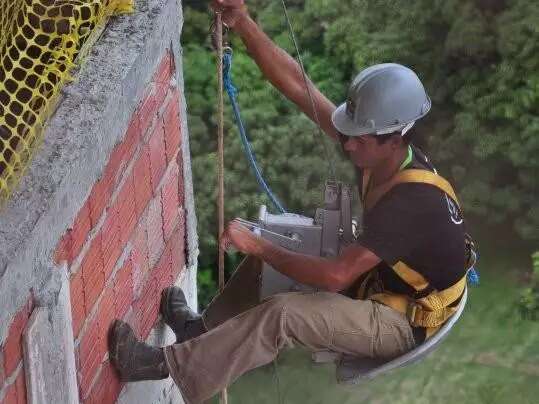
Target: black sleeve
398 224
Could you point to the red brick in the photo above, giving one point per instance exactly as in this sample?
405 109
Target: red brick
79 232
78 310
156 241
99 198
20 385
11 394
161 90
87 376
107 387
13 344
116 165
92 349
142 174
125 206
63 249
158 159
132 139
123 289
110 241
147 308
163 270
170 201
165 69
92 273
105 314
172 122
139 255
147 111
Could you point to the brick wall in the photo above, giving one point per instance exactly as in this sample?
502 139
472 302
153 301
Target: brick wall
12 379
127 241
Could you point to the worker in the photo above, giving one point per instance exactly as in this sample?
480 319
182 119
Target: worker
412 249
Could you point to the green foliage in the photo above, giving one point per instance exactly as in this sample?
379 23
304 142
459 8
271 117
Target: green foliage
477 58
529 298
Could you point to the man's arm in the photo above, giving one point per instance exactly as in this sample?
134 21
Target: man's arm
278 67
330 274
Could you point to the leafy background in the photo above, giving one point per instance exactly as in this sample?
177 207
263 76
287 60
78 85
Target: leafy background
479 60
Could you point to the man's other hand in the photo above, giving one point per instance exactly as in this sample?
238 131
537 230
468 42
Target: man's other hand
233 10
243 239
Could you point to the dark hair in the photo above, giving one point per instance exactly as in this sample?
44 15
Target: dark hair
406 139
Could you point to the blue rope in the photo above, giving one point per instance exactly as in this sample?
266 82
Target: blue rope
473 275
232 95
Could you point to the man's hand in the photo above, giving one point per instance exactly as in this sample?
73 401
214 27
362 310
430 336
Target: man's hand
233 11
241 238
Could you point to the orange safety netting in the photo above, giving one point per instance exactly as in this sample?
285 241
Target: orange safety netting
40 41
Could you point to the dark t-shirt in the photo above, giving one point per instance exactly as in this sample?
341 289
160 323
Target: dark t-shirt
420 226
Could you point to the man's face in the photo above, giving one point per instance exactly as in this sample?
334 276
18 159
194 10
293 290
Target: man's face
365 151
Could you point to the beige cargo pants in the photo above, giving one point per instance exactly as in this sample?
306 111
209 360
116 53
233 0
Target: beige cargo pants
253 337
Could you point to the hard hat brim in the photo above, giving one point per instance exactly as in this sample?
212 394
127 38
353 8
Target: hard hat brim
344 124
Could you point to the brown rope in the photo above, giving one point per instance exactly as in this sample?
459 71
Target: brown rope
220 152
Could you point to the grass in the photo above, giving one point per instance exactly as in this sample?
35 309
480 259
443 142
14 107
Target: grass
491 356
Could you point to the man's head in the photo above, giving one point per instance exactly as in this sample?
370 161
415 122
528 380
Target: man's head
384 101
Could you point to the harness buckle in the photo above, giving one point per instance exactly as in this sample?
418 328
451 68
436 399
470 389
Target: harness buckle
411 311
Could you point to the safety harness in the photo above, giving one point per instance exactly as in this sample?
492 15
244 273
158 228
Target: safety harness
429 308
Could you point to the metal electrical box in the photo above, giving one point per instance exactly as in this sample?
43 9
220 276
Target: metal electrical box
324 235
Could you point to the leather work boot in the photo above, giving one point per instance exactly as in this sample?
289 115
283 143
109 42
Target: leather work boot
185 323
134 360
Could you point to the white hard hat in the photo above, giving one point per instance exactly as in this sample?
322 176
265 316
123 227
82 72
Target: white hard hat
382 99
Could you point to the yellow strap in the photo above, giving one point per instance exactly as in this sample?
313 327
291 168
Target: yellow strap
411 277
430 311
420 176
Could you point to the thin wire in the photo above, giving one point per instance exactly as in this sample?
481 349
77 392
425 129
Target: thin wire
329 158
221 163
278 381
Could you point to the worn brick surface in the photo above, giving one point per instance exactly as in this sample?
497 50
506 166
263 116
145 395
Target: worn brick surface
139 255
157 156
110 244
156 241
163 270
142 180
170 201
123 289
10 396
147 111
92 273
63 249
107 387
132 140
91 352
125 207
165 69
79 232
147 308
78 310
172 122
12 351
20 385
100 198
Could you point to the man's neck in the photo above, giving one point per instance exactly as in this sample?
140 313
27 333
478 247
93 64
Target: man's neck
390 167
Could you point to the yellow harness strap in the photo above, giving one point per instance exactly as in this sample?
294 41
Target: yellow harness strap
413 175
434 309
